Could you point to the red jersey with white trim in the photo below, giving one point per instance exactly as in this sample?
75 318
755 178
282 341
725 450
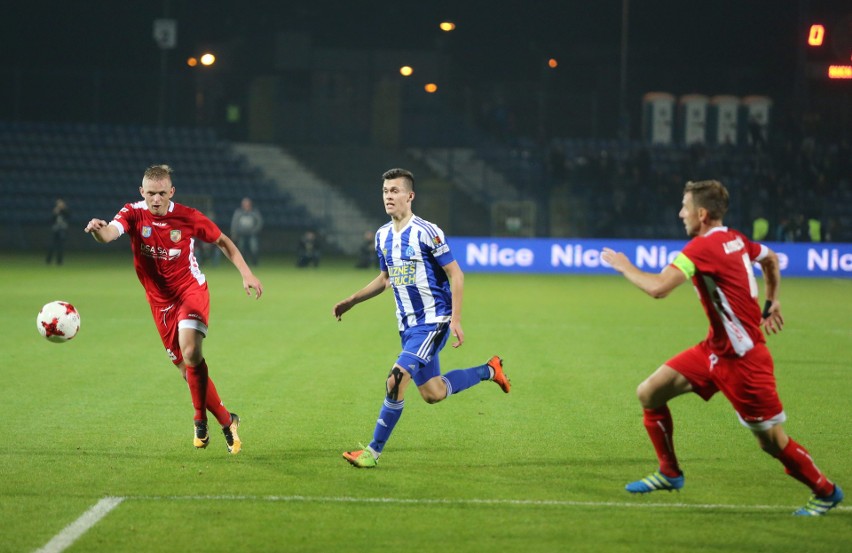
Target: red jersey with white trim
720 266
164 247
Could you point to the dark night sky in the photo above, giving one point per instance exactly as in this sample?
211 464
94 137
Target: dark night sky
714 47
115 34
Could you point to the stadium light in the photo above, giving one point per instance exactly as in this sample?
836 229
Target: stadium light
208 59
406 70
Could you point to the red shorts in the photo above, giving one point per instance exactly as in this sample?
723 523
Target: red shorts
748 382
190 311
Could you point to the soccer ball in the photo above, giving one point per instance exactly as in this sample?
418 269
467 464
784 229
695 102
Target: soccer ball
58 321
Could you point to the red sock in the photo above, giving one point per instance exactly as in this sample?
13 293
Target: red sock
799 464
215 405
196 377
658 423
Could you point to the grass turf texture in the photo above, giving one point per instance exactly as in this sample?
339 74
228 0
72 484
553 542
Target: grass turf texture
542 469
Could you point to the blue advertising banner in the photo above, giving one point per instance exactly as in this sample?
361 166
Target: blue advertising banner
546 255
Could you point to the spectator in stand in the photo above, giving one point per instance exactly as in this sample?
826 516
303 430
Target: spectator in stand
755 131
799 230
814 229
833 231
759 227
781 234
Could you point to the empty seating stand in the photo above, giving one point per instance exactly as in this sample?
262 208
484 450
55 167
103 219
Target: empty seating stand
100 166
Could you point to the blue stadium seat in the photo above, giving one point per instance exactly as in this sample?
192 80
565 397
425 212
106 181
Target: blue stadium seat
40 161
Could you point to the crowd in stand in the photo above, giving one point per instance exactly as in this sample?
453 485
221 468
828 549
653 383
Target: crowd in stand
796 190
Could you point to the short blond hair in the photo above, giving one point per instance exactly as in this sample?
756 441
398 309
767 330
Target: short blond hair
158 172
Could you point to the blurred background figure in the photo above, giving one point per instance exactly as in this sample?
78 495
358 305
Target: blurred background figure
367 256
814 229
309 250
833 232
784 230
245 230
759 226
59 229
756 133
799 229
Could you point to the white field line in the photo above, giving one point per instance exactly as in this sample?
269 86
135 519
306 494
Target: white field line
70 533
87 520
458 501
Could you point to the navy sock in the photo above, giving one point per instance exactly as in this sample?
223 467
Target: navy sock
388 417
462 379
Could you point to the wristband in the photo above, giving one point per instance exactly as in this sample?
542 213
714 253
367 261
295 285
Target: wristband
766 305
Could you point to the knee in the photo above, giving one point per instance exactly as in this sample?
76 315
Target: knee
394 386
434 391
432 397
191 355
769 446
773 443
645 395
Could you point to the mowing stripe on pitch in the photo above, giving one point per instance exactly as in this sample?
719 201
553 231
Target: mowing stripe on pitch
87 520
69 535
460 501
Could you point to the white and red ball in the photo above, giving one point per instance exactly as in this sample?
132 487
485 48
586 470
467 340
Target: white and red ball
58 321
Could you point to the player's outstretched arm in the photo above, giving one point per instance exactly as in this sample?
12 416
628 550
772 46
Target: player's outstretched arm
102 231
250 282
656 285
772 320
371 290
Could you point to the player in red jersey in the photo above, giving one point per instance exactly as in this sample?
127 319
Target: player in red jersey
162 237
733 358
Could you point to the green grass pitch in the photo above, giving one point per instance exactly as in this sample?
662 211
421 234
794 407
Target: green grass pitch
540 469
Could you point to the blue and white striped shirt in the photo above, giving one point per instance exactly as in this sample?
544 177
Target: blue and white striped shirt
414 259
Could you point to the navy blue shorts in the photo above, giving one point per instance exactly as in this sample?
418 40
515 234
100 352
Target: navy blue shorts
420 347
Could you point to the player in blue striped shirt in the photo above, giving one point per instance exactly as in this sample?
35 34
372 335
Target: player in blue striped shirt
428 285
